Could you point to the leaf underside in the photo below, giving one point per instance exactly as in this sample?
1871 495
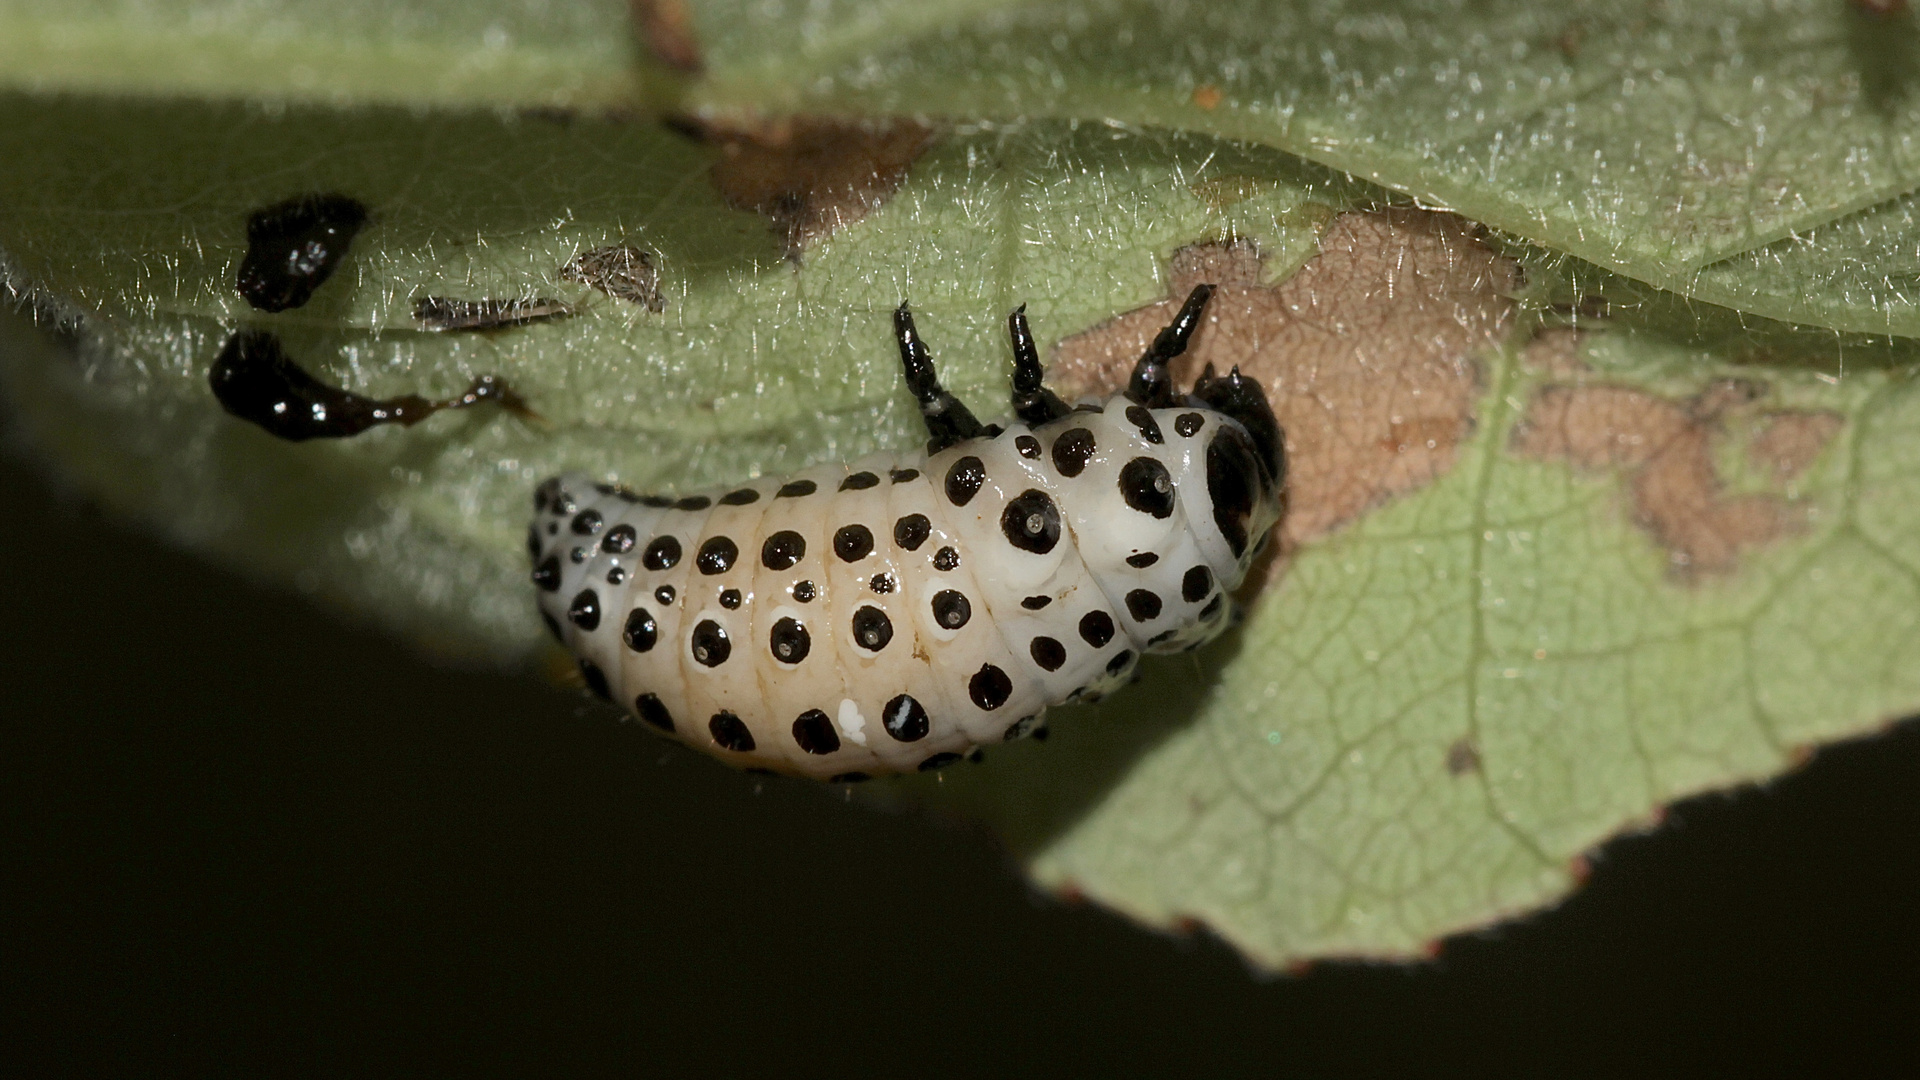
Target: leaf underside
1602 508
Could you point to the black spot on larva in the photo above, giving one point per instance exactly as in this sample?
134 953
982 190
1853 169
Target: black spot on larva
814 733
547 574
716 555
1096 628
1120 661
1089 407
619 540
692 502
912 531
1142 560
641 631
1213 606
730 599
1019 728
730 732
650 708
903 476
533 541
848 778
1232 470
872 629
1031 522
1035 603
584 612
1139 417
1147 487
1143 605
789 641
664 594
741 497
989 688
577 556
616 575
881 583
711 646
552 528
1189 423
1028 446
553 626
946 559
1197 583
853 543
1048 653
1162 636
587 522
658 502
859 481
795 489
596 680
544 494
563 504
951 609
293 248
1072 450
939 761
905 719
662 554
964 478
804 592
782 550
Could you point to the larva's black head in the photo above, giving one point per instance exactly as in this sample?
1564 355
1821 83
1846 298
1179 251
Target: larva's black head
1242 399
1246 461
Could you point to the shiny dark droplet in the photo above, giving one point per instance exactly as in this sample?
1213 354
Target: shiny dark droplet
255 380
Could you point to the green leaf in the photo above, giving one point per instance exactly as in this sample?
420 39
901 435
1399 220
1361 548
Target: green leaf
134 216
1663 547
1660 141
412 52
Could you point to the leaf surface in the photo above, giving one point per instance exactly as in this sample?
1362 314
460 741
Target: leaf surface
1655 140
1565 544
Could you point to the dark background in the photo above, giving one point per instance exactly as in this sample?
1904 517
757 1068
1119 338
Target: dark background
238 836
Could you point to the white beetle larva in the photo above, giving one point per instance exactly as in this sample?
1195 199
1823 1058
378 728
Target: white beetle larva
891 614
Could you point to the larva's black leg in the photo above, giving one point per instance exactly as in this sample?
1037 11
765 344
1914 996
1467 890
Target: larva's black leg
1033 403
948 420
1152 383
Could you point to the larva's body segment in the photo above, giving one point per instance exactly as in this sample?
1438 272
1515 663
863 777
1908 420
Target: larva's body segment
892 614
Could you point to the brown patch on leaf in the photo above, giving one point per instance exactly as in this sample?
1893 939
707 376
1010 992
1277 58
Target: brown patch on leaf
620 271
1555 351
665 27
1665 449
1366 353
1463 757
1789 441
1207 96
810 175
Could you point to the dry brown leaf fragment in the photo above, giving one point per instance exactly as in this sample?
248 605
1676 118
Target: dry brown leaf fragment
1367 353
621 271
810 175
1665 449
